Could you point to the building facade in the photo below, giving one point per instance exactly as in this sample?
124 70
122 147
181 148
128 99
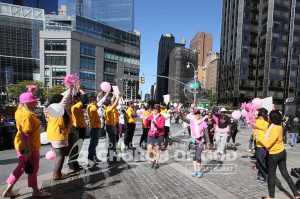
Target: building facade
260 46
179 57
95 51
211 71
19 43
117 13
202 43
166 45
147 97
153 92
50 6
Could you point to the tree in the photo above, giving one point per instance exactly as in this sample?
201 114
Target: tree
57 89
212 97
15 90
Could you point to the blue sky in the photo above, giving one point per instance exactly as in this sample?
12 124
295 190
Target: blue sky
181 18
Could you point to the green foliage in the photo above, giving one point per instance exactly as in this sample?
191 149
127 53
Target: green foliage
57 89
212 97
14 90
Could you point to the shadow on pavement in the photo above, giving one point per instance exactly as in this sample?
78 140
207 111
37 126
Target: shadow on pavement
209 166
280 187
78 185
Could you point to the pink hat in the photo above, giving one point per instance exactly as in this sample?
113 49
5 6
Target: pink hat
27 97
223 110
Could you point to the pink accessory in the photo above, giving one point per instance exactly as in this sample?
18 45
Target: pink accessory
31 88
71 80
27 97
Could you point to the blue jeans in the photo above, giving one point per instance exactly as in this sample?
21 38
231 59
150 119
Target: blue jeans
94 135
294 138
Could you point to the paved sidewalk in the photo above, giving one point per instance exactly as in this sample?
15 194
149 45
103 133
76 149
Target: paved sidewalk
228 177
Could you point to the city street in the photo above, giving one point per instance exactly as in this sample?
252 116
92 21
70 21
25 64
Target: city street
229 177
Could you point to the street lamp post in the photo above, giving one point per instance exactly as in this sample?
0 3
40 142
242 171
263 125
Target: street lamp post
195 79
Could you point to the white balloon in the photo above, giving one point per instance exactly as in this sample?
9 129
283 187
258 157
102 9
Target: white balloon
44 138
56 110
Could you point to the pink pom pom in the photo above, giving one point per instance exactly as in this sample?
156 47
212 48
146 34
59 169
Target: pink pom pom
71 80
31 88
257 103
50 155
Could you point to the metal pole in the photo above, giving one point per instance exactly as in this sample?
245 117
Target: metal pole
6 81
126 86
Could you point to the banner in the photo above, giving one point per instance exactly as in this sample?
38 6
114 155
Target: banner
167 99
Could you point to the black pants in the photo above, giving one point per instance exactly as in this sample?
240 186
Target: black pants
232 135
129 134
112 140
279 160
144 136
167 133
60 158
74 149
261 162
81 132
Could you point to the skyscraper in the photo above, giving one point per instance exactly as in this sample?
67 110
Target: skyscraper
260 46
50 6
211 68
166 45
116 13
202 44
19 43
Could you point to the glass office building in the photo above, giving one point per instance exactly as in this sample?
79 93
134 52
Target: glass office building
260 47
116 13
95 51
19 43
50 6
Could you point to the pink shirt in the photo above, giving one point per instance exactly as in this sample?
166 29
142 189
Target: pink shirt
159 126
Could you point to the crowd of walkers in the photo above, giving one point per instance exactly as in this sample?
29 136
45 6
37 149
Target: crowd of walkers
208 130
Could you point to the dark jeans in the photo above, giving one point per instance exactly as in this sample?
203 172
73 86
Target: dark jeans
279 160
81 132
144 136
112 141
261 162
232 135
94 135
60 158
129 134
117 133
167 133
251 143
74 150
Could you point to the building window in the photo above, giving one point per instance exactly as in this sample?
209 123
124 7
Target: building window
55 60
59 72
57 82
86 75
88 85
87 63
110 78
121 57
131 71
56 45
87 49
110 67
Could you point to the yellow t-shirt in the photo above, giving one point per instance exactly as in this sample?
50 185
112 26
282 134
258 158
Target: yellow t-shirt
27 122
129 112
274 143
147 113
78 116
116 116
261 126
164 110
56 129
95 121
109 116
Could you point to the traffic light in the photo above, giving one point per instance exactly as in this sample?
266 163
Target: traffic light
142 79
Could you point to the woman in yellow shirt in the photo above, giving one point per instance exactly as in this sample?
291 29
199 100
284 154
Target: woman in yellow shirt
273 141
58 130
27 144
261 126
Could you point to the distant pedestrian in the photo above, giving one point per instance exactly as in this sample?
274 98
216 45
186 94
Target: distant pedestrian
130 116
222 131
211 123
27 144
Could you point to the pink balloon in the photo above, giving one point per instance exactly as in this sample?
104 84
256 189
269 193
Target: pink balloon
50 155
244 113
138 112
257 103
236 115
105 86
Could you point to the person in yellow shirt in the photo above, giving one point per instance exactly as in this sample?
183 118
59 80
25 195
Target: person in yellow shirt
261 126
116 122
146 128
77 132
131 122
109 121
58 130
95 125
273 141
27 144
